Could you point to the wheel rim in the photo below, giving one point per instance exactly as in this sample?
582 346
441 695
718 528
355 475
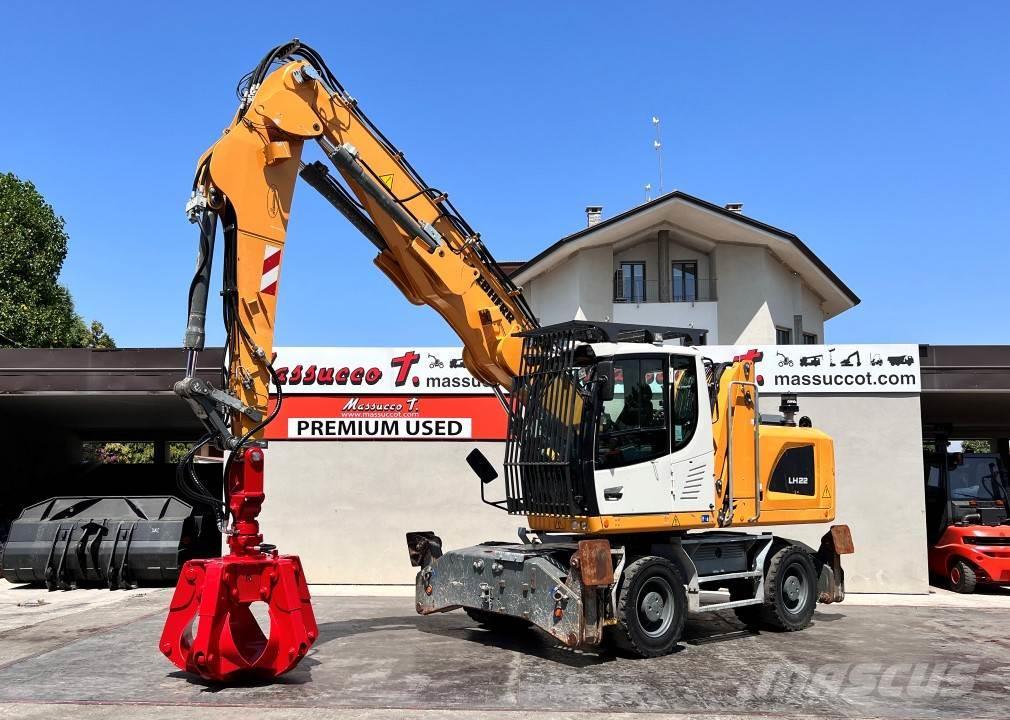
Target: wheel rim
795 590
655 607
955 574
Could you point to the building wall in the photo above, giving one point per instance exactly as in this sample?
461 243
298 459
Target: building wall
343 507
578 289
879 481
758 293
680 314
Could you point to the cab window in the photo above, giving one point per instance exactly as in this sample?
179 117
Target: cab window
633 426
684 400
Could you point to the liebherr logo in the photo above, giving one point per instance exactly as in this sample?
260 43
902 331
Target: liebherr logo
497 299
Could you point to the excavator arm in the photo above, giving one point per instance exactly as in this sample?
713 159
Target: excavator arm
246 181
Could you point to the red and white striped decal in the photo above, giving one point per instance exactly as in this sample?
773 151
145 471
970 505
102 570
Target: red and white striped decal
271 270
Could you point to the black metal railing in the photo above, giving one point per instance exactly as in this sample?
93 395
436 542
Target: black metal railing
702 290
548 456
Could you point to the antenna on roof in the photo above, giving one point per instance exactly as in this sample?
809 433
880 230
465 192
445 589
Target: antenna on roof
657 145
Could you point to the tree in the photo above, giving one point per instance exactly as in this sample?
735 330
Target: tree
976 446
35 310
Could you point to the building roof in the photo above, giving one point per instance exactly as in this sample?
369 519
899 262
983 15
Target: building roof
121 394
702 223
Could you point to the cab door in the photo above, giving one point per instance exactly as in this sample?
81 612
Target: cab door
633 470
691 459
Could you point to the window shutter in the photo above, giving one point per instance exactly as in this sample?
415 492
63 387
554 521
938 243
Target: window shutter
618 285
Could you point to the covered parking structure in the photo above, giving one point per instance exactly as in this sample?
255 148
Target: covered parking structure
966 392
52 401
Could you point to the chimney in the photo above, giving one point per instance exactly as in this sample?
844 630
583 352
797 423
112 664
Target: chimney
593 215
734 207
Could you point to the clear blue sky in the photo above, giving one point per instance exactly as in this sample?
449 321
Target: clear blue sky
877 132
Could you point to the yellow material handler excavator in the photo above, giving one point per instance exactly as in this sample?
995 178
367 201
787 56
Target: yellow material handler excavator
639 464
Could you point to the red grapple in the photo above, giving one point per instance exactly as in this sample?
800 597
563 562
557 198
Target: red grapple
210 629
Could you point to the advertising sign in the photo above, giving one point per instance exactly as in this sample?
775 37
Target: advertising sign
439 370
375 371
824 369
386 417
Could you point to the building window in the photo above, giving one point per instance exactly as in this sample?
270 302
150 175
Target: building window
629 282
783 336
684 286
809 338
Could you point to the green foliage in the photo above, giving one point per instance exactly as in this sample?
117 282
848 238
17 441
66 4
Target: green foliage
121 453
35 310
130 453
977 446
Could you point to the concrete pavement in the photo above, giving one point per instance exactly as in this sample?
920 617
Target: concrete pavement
377 659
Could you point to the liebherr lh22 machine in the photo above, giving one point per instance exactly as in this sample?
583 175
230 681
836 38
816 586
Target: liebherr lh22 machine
639 465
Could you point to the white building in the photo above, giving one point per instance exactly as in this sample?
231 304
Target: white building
683 262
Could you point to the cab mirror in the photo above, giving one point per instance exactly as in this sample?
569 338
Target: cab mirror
605 373
481 466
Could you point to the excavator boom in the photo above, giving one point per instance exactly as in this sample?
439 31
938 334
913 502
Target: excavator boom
246 180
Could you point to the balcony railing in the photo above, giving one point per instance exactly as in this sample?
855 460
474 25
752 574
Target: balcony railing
703 290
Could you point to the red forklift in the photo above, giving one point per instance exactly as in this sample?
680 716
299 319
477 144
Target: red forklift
968 529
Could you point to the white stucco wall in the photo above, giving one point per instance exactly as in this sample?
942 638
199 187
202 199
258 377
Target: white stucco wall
581 288
343 507
694 315
758 293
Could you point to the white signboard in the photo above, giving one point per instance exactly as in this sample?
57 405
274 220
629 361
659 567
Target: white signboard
375 371
384 428
824 369
803 369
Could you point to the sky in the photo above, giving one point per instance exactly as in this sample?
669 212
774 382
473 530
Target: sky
879 133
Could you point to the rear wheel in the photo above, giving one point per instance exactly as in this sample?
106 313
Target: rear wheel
651 607
791 590
962 577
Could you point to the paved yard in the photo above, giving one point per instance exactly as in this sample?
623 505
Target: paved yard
377 659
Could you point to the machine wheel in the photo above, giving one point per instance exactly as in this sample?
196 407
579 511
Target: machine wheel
651 608
497 622
791 590
962 577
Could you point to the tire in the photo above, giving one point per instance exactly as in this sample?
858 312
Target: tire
790 590
962 577
651 608
750 615
497 622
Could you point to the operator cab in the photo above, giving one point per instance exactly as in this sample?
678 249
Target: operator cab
963 489
649 427
608 415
